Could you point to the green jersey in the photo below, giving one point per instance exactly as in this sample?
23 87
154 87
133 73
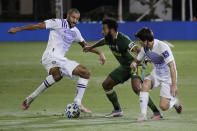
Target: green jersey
120 48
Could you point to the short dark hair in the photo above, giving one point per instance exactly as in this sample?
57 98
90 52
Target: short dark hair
70 11
145 34
111 23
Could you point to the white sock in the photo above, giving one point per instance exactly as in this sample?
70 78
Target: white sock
144 97
47 83
173 101
81 86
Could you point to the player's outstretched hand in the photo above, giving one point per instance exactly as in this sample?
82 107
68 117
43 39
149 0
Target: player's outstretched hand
86 48
102 59
13 30
133 65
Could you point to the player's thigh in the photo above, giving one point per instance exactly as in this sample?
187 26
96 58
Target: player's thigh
155 83
147 85
138 72
108 83
136 84
165 90
120 74
65 65
81 71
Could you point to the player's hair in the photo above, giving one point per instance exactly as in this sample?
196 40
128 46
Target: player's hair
70 11
111 23
145 34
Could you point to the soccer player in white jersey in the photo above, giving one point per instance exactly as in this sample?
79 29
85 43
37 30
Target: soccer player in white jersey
62 33
164 73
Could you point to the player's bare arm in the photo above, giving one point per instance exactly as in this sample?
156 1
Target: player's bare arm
173 90
94 50
135 49
97 44
28 27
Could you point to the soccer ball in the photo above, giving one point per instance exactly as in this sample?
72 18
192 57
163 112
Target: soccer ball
72 111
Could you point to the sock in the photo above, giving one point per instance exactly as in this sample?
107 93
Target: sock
81 86
173 101
152 106
47 83
144 102
112 96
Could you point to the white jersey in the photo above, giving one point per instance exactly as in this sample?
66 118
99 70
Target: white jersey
60 37
160 55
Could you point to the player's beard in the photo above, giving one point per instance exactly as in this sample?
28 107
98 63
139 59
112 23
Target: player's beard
71 24
109 37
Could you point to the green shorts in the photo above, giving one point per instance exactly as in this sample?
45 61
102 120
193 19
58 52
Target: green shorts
123 73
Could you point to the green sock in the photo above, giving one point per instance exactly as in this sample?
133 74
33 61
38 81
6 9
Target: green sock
112 96
152 106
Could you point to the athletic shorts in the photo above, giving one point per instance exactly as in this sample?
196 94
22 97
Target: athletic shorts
66 66
156 82
123 73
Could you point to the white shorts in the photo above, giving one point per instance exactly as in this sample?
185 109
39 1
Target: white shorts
156 82
66 66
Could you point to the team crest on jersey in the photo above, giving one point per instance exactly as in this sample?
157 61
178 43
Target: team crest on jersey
69 36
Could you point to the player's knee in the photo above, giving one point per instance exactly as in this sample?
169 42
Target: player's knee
86 74
106 86
55 72
144 88
136 89
57 77
164 107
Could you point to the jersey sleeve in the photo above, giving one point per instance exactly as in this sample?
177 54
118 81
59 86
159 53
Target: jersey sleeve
79 37
53 23
166 53
141 55
131 45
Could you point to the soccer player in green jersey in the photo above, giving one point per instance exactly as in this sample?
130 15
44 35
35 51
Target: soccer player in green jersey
124 51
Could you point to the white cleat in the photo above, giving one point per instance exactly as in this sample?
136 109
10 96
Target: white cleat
141 118
84 110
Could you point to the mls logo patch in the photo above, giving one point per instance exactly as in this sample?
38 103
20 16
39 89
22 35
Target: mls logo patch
53 62
131 45
165 54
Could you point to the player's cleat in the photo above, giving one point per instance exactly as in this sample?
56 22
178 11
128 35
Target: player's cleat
115 113
178 108
84 110
26 103
141 118
156 116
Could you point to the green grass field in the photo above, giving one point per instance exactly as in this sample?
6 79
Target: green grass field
21 73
